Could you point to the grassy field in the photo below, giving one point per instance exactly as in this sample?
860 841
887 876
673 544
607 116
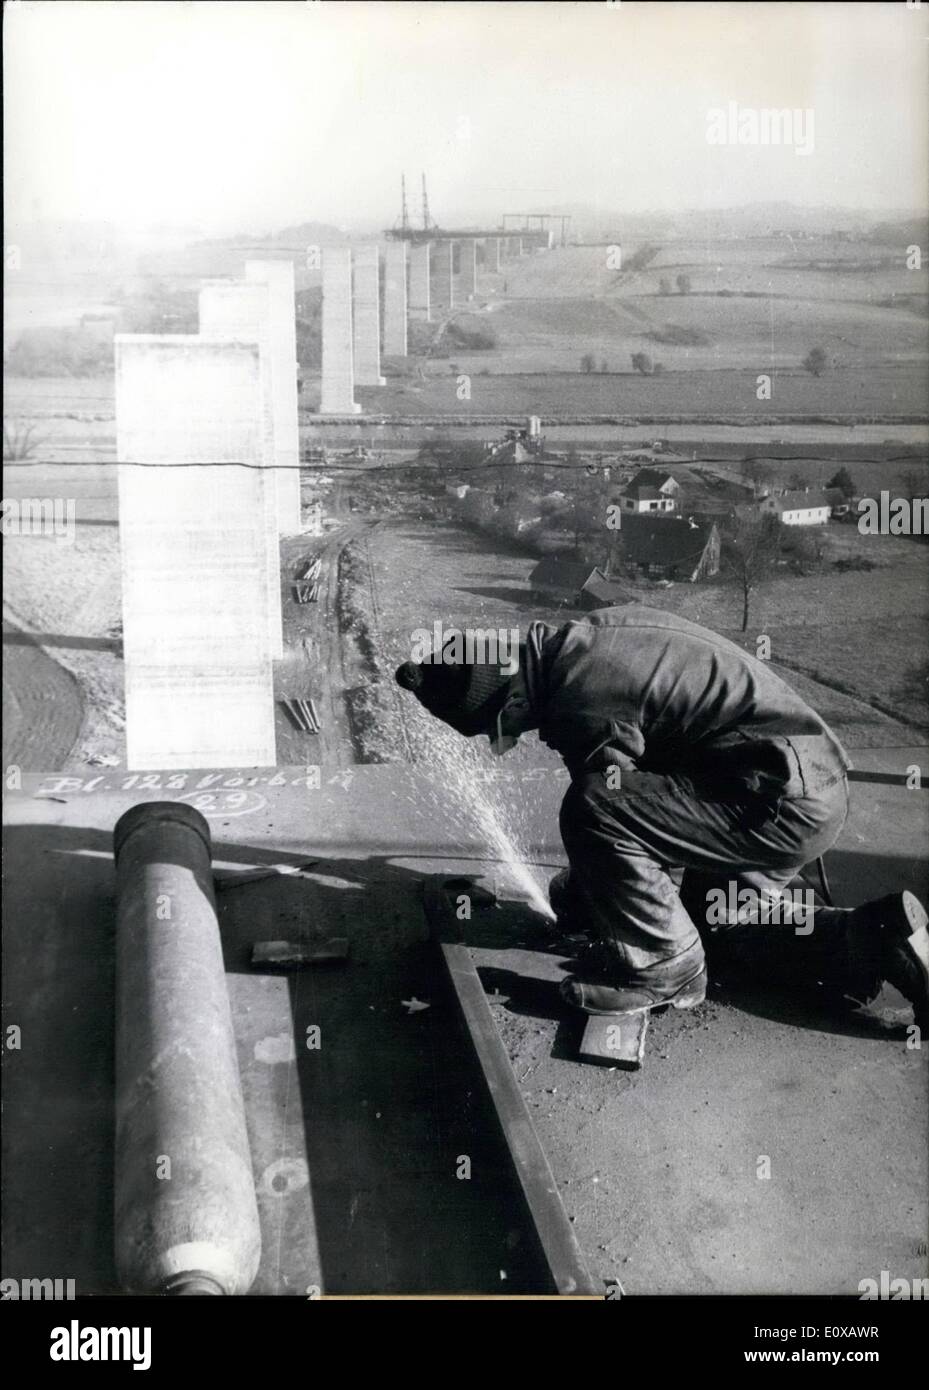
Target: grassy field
696 332
896 390
819 267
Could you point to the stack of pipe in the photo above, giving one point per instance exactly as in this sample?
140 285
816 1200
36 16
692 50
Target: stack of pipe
303 713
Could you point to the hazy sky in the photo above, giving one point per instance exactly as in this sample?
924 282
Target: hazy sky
246 116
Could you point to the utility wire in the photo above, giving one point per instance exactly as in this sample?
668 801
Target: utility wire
478 466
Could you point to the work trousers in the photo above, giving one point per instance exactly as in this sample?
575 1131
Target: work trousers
623 843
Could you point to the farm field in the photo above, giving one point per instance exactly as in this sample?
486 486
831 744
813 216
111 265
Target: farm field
814 267
895 390
768 330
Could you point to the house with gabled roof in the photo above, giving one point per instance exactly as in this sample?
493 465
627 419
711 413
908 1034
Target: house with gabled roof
602 591
667 547
651 490
803 508
558 579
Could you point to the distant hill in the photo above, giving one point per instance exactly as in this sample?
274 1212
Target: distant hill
911 231
226 256
591 224
310 234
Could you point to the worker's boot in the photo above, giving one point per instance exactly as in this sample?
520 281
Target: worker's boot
595 988
559 893
568 918
888 941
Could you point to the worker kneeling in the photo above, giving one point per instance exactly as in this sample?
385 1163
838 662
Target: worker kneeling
685 753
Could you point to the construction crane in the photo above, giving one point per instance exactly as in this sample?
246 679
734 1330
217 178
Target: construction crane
405 231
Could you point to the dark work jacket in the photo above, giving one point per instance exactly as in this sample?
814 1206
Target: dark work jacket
649 691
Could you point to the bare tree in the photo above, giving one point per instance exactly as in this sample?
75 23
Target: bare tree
20 440
752 544
586 512
758 472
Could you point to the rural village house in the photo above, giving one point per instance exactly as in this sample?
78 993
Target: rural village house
649 491
558 579
666 548
646 547
799 508
600 591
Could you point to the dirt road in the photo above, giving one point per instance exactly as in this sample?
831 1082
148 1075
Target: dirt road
314 662
42 705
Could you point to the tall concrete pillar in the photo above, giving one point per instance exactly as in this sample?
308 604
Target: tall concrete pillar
366 316
395 336
442 278
521 245
469 268
279 277
193 552
420 264
492 255
338 375
243 312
